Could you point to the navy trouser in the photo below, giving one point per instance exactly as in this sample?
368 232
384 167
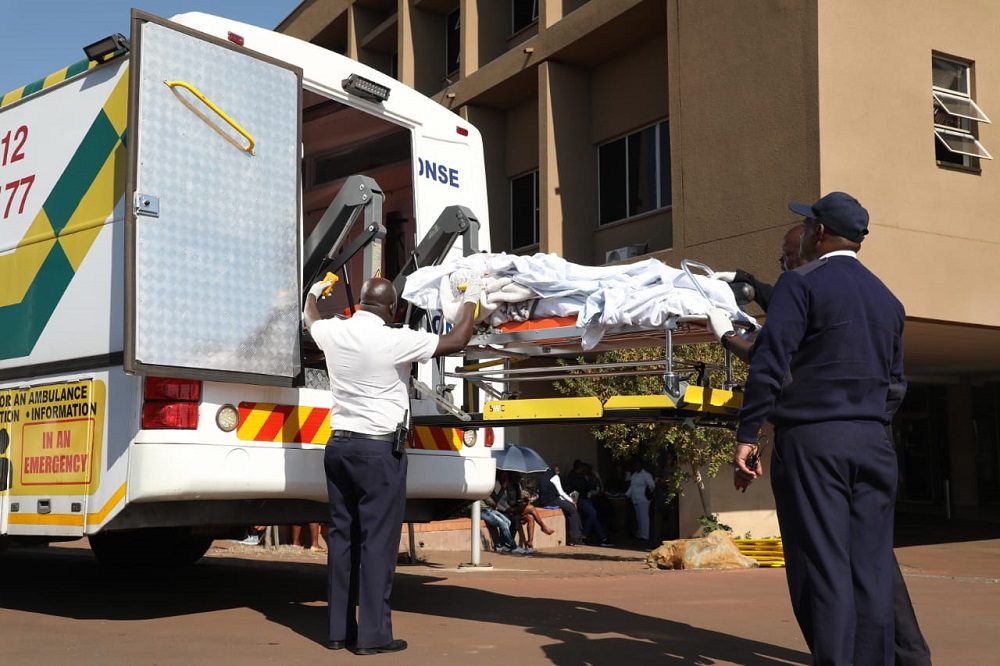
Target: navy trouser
367 488
574 528
588 518
834 487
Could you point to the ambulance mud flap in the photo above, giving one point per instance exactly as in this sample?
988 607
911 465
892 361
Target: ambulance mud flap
212 272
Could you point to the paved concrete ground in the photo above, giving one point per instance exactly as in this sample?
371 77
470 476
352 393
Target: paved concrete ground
567 606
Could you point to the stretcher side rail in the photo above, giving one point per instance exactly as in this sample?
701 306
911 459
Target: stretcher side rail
566 341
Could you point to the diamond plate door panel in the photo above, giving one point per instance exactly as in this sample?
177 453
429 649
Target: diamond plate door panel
215 225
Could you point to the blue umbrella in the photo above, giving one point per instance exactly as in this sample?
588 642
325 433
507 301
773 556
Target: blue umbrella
516 458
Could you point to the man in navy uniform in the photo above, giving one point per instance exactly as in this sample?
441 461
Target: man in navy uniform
911 648
369 365
821 372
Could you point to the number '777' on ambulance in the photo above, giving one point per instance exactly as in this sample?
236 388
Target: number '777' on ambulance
156 389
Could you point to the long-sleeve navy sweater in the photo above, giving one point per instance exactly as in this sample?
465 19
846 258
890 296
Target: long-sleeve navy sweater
829 349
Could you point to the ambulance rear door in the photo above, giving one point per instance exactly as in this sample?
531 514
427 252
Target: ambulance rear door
212 273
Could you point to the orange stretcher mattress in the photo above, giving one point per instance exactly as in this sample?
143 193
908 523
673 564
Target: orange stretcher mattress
537 324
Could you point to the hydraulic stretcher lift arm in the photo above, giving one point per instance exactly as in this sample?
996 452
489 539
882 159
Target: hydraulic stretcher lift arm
324 249
454 221
359 194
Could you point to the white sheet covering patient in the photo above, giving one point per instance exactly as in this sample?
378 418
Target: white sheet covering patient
644 294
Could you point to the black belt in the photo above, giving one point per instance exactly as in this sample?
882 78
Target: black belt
361 435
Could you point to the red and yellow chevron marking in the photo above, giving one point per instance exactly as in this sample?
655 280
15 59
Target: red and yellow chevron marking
268 422
436 439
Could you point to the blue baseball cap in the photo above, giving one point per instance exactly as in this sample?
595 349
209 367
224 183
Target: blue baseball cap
839 212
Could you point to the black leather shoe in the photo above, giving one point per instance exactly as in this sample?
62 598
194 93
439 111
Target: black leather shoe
392 646
336 645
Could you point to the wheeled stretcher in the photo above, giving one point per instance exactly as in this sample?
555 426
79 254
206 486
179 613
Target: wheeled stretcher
501 357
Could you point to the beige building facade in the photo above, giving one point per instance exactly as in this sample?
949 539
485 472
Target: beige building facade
681 129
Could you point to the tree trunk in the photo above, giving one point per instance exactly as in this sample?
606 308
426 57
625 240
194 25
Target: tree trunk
700 482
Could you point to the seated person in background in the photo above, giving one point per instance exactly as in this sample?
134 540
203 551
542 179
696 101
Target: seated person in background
519 509
498 521
551 494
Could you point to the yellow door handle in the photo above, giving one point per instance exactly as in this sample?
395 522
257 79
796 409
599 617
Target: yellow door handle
219 112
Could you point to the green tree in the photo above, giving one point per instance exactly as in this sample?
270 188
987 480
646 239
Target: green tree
682 450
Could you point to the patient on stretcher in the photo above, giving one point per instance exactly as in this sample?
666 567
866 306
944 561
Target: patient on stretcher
644 295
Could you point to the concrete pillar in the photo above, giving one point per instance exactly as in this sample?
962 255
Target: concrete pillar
961 447
567 167
549 11
352 33
405 61
469 61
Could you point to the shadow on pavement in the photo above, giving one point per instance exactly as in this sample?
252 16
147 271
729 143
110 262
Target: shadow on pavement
625 637
69 583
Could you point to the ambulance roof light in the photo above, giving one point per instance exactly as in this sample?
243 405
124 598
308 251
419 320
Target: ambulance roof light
366 89
102 48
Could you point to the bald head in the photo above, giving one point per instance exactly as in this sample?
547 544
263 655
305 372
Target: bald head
818 240
378 296
791 250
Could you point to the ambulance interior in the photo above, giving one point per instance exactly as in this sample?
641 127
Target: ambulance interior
340 141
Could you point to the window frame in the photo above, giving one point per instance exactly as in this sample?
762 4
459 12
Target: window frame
513 26
940 130
658 126
447 42
966 126
536 230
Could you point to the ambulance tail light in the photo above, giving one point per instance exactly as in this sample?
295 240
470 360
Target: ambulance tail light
160 415
170 404
490 437
164 388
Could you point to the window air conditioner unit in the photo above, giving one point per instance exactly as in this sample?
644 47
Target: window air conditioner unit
624 252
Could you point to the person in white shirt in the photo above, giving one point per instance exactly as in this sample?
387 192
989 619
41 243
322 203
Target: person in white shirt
369 365
640 490
551 493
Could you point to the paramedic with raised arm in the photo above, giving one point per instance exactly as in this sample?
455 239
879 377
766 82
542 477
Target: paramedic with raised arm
369 364
821 370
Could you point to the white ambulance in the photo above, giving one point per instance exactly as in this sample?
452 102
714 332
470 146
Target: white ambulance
156 389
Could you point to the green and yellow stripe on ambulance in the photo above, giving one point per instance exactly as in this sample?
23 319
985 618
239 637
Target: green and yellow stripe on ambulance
52 79
34 277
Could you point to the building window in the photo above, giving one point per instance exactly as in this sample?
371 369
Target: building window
523 14
634 173
524 210
453 41
956 115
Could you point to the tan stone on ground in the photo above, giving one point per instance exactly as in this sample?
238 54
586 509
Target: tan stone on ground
715 551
